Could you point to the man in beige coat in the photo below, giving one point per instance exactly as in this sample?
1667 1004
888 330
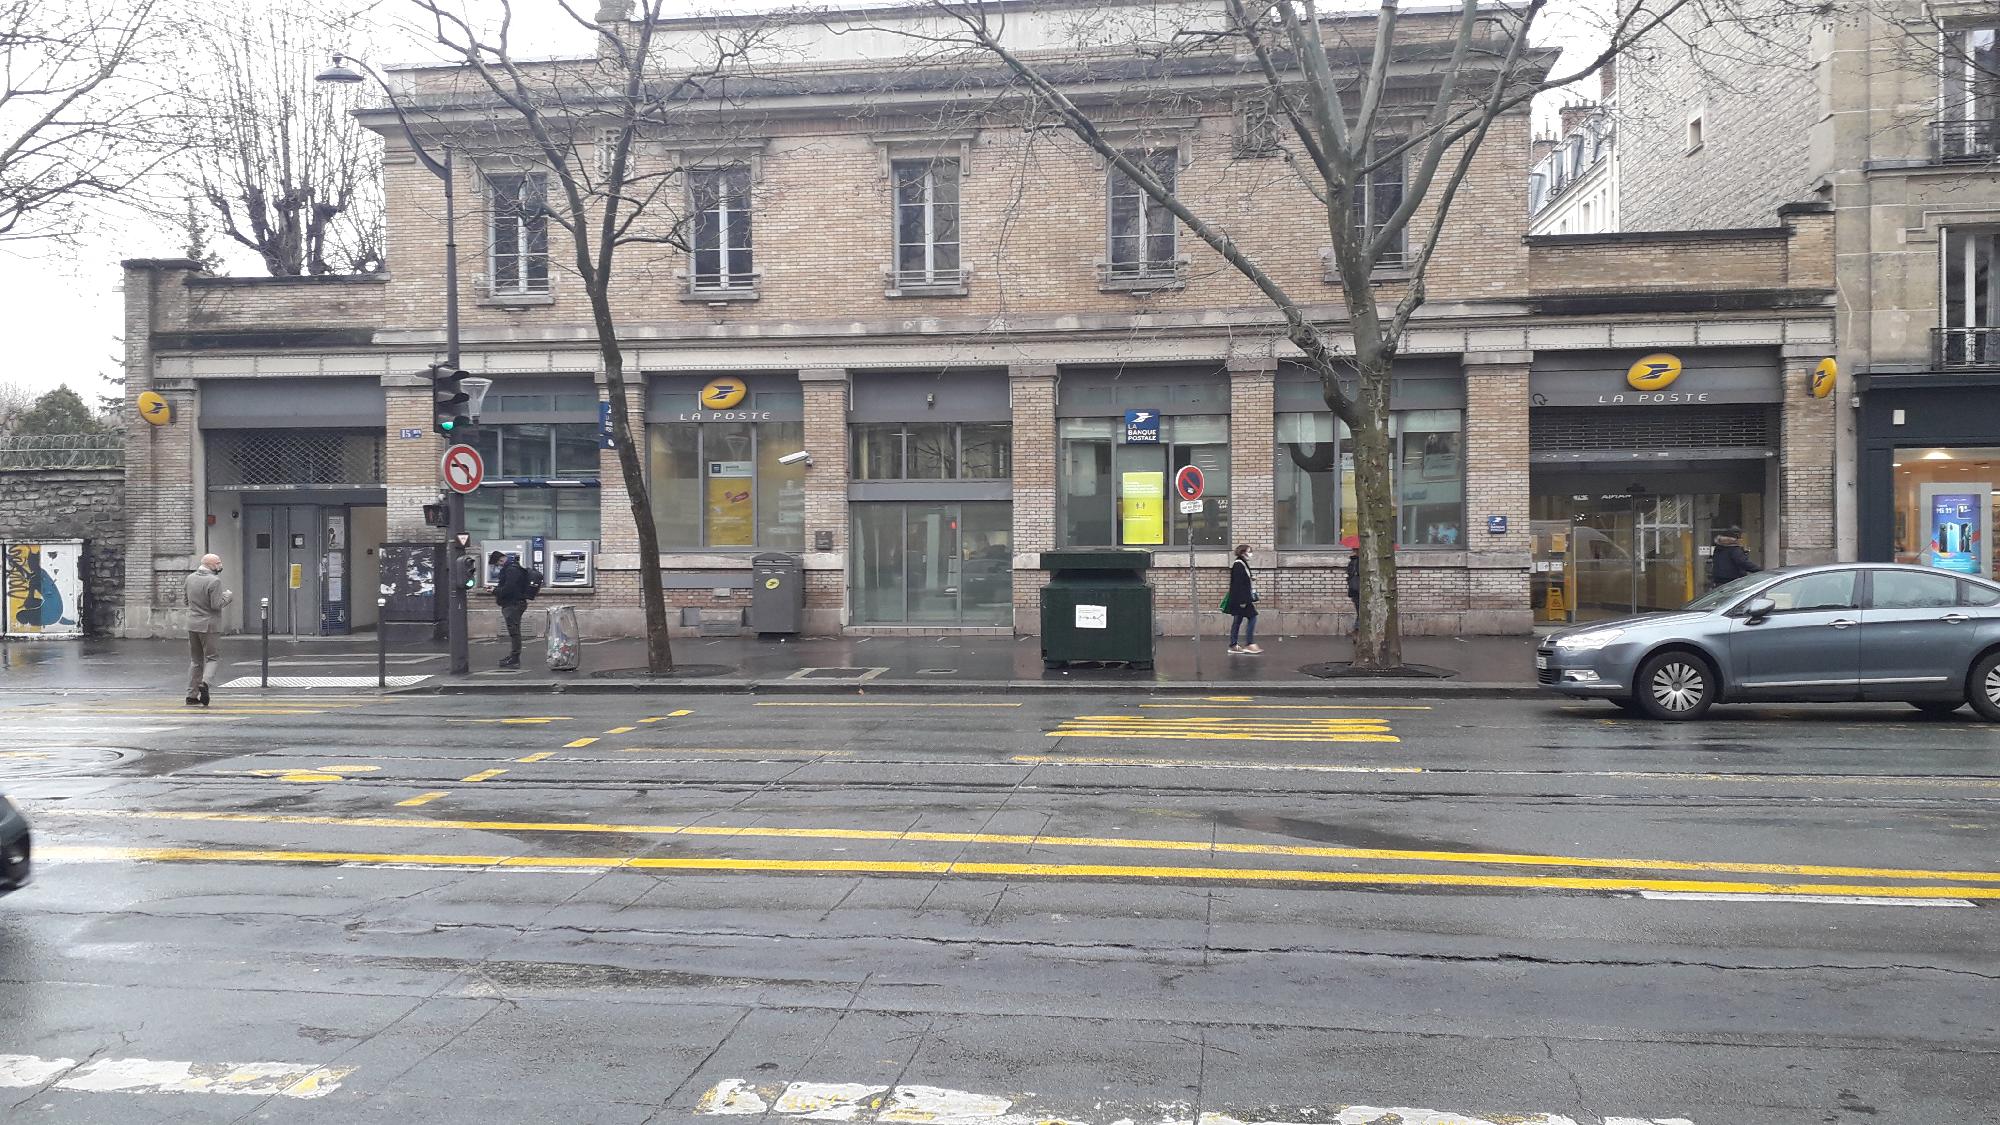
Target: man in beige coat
206 600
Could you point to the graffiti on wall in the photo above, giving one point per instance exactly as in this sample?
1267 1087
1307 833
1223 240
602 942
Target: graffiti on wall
43 588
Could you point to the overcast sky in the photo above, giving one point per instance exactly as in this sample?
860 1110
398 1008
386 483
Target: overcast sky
60 309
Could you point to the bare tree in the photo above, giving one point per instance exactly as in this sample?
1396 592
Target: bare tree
597 130
1346 99
280 160
81 124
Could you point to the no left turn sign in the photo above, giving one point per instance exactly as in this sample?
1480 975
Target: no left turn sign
462 468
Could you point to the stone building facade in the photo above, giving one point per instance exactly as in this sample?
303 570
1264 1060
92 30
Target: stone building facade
41 505
961 421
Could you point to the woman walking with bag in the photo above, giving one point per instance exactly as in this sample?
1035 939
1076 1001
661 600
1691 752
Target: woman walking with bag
1241 605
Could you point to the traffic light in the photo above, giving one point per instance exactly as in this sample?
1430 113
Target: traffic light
448 400
468 572
437 515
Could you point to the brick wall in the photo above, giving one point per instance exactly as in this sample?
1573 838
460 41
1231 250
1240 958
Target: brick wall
1623 262
1496 484
162 469
1806 469
38 505
825 391
410 465
1033 396
350 300
1252 454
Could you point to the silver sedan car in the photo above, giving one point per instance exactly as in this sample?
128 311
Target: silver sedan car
1843 633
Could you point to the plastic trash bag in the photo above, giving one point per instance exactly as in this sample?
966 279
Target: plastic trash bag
565 641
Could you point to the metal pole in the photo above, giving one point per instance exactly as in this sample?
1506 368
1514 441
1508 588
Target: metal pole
1194 602
458 636
264 621
381 644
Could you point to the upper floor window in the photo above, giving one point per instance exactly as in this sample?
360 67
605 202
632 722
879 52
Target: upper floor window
1142 229
517 237
1375 204
927 222
1969 333
721 203
933 451
1969 124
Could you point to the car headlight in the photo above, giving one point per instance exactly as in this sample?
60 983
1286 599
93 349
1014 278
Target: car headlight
1588 642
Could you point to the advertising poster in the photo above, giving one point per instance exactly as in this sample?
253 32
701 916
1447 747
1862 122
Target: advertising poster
1144 508
1957 531
731 511
43 589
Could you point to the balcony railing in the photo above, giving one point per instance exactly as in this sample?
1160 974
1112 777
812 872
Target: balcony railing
1965 347
1969 140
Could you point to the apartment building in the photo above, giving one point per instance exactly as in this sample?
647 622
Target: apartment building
1890 112
989 346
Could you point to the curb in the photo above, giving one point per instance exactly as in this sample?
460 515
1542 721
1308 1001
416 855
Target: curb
1358 689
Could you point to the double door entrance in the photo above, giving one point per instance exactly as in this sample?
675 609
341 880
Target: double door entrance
1602 553
933 563
297 556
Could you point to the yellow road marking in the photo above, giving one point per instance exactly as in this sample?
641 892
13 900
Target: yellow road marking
1315 851
309 773
421 799
1228 698
1285 707
1208 763
1356 728
581 742
679 713
733 750
888 705
1016 870
621 730
525 720
541 757
484 775
1217 736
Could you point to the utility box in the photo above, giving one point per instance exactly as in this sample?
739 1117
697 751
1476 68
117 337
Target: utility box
412 605
777 593
1097 607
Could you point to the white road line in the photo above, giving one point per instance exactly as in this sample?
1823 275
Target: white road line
324 681
937 1105
1824 900
161 1076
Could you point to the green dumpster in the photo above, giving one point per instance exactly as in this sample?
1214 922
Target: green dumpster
1097 607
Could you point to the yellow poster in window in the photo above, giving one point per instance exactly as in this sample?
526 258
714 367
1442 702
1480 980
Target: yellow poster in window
1144 507
731 514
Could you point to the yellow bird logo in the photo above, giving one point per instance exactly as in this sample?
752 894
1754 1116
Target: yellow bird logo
723 394
1823 377
1654 372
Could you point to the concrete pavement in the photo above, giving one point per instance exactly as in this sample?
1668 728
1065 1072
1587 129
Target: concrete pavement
996 909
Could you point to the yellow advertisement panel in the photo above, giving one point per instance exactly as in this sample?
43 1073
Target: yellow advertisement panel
1144 507
731 513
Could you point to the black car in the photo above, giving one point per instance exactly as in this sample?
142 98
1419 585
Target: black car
13 848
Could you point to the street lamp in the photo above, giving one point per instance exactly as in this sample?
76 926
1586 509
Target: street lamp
343 74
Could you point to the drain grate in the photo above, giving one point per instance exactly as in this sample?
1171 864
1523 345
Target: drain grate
852 674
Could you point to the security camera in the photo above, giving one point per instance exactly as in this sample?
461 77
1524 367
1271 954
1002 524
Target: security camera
799 458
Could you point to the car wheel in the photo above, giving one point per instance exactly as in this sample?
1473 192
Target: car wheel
1675 686
1937 708
1982 687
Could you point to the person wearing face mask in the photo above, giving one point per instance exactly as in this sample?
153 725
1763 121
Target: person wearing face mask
206 600
1241 605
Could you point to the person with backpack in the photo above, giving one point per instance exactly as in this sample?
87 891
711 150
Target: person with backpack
1730 561
515 587
1241 605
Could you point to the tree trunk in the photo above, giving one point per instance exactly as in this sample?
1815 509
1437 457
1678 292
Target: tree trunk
659 645
1378 641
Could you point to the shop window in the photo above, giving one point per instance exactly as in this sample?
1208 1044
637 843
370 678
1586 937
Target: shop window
531 453
1945 510
927 223
719 484
1316 503
932 451
517 233
721 204
1114 494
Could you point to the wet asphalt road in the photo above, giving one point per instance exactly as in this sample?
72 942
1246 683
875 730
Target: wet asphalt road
532 908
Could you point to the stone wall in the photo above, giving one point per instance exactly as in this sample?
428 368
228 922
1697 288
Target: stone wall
87 504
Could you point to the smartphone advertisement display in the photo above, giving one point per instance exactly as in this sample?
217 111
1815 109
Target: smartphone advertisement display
1957 535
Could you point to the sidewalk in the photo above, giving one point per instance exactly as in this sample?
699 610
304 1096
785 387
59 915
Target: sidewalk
1476 666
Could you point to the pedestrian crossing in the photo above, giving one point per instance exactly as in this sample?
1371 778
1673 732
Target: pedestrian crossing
1229 728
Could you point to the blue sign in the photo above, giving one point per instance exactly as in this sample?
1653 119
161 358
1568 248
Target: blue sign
1142 427
1955 532
1496 525
604 426
410 432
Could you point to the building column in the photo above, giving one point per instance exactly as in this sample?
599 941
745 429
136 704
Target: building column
1031 391
162 492
826 554
1253 426
616 603
1806 450
1497 484
410 465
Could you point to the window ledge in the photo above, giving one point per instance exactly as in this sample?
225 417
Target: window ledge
952 289
741 294
1142 284
516 300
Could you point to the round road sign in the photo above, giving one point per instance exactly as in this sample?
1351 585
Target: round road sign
462 468
1189 482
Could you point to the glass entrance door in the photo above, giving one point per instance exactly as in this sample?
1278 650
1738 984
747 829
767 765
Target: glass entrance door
1600 555
936 564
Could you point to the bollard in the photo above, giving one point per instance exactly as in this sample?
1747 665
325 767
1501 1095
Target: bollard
381 644
264 671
